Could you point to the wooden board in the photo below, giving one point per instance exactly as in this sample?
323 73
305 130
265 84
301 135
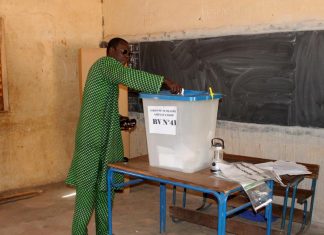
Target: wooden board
140 165
233 225
15 196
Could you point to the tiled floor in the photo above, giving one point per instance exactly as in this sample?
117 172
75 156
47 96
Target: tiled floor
136 212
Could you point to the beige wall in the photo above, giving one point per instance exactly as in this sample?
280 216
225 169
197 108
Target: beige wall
156 20
42 39
142 20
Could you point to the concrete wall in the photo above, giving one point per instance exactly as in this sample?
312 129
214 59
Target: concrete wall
42 39
140 20
168 19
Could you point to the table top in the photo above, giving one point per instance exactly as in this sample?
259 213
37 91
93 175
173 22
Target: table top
203 178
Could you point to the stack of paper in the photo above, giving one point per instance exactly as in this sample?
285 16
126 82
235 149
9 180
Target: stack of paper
243 173
252 180
281 167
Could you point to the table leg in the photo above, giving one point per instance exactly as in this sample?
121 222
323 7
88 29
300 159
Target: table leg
268 210
292 208
109 188
284 210
313 199
162 207
222 201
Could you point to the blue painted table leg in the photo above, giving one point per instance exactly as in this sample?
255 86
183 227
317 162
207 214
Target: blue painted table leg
268 211
162 207
292 208
222 201
313 199
109 188
304 215
284 209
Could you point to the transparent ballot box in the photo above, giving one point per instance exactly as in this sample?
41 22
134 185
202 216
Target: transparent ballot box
179 129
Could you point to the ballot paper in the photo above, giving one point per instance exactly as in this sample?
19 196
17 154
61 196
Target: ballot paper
252 177
281 167
252 180
246 173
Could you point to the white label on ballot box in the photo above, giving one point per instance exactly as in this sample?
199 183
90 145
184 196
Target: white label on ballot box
162 119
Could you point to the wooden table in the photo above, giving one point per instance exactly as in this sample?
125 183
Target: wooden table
201 181
291 190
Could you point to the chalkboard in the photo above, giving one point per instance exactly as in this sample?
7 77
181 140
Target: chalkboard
275 78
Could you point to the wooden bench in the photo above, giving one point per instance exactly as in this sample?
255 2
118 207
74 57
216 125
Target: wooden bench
283 211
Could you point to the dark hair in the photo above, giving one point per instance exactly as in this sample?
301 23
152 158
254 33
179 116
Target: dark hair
113 43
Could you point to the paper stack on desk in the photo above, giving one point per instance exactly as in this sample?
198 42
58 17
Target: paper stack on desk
246 173
281 167
252 177
243 173
252 180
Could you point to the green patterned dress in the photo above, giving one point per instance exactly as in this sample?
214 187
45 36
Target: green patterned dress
98 136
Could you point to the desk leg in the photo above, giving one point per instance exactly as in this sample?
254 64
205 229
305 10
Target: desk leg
268 210
162 207
313 199
284 209
222 202
109 188
292 208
